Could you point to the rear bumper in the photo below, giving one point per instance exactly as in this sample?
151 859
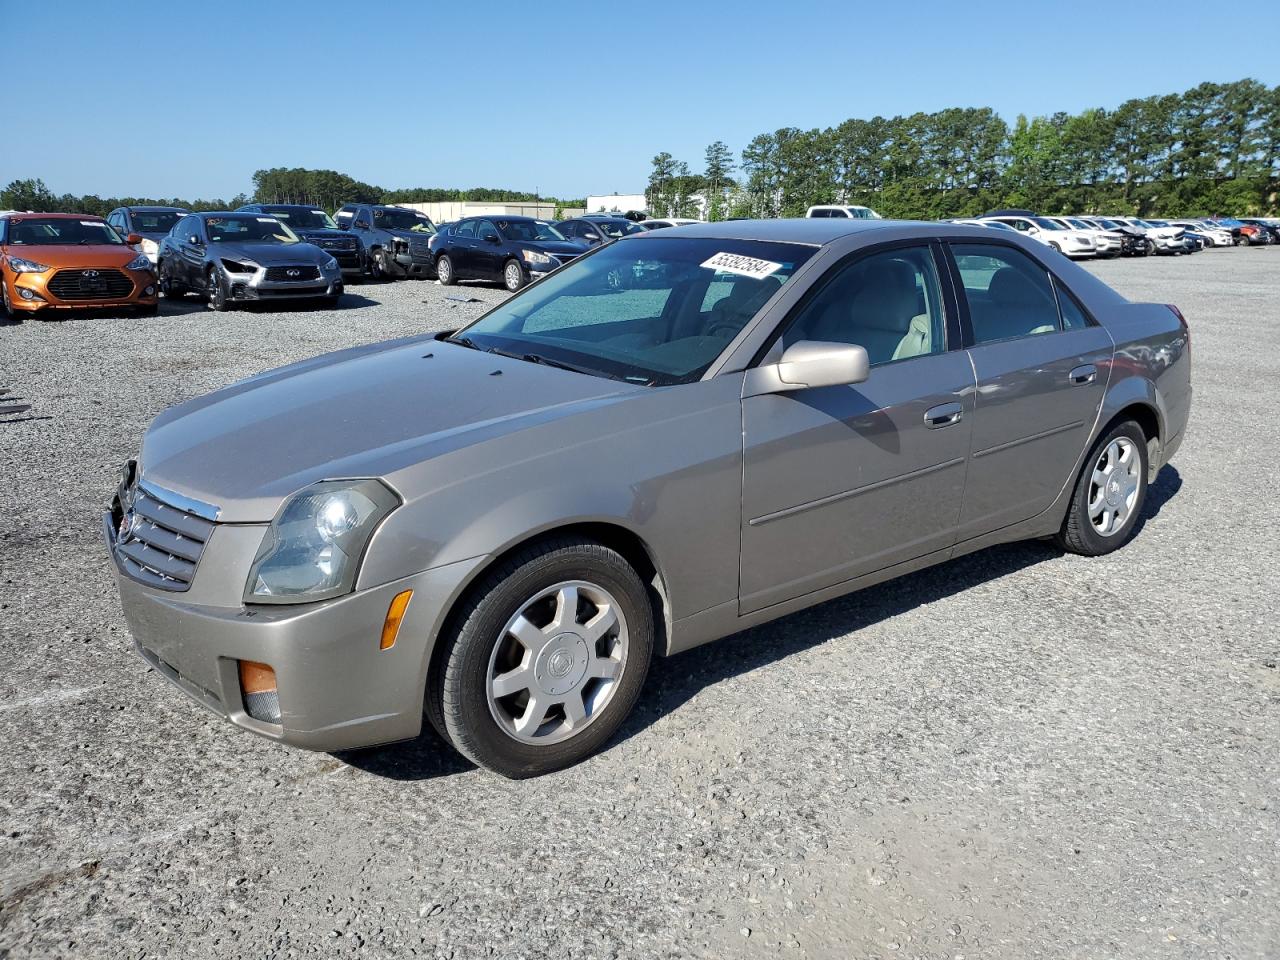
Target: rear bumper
337 689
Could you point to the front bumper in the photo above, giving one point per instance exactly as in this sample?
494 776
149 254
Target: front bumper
337 689
255 286
37 285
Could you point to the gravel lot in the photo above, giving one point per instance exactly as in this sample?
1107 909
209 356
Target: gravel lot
1017 755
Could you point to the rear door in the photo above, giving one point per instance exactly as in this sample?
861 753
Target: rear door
1041 375
462 248
843 481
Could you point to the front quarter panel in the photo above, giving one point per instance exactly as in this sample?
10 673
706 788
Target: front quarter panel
665 464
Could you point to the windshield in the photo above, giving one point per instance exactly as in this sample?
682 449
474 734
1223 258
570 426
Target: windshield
997 224
1048 224
1080 224
248 229
60 231
616 228
388 218
156 221
302 218
529 230
654 311
1140 223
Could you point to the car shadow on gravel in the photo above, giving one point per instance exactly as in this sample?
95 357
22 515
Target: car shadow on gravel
674 680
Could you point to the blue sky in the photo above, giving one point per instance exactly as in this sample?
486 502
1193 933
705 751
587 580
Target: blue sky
567 97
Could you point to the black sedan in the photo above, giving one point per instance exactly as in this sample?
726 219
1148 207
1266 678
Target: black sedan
594 230
514 250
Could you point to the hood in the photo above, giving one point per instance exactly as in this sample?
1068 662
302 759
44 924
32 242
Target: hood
410 234
366 412
61 255
269 254
320 233
554 246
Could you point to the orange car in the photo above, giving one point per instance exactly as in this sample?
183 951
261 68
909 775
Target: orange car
70 261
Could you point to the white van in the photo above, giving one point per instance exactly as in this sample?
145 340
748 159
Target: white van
843 210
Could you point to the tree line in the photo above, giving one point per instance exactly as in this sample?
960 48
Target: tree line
326 189
1214 149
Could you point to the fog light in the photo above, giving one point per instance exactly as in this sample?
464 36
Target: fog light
26 294
149 291
395 616
258 690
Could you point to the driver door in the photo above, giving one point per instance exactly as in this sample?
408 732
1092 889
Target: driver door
843 481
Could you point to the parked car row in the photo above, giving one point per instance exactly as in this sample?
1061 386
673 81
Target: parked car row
1085 236
299 252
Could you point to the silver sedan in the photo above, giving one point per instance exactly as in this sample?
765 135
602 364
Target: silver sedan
679 435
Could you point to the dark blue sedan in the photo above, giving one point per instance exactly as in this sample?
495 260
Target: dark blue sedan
514 250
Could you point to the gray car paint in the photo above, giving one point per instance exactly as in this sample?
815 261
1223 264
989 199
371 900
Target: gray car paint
185 254
488 452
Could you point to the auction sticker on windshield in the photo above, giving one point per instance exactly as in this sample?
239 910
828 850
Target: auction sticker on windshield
743 266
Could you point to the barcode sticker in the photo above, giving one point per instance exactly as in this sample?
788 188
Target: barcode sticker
743 266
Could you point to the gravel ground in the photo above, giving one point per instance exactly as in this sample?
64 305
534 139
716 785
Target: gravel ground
1019 754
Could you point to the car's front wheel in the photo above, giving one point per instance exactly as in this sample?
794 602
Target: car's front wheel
545 660
216 289
1109 493
513 276
444 270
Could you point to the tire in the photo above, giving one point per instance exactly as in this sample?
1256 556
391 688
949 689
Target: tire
1103 497
444 271
554 674
216 290
377 265
170 289
1054 246
6 309
513 277
1151 248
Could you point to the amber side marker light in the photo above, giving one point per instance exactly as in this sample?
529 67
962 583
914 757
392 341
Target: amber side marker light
258 690
395 616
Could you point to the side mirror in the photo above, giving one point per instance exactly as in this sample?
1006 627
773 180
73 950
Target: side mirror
809 364
491 238
133 239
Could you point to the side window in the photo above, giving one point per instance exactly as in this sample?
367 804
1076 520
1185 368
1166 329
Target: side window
569 229
344 217
1073 315
890 303
1009 294
362 219
466 229
486 229
820 213
838 213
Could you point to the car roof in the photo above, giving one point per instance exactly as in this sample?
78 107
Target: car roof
153 207
59 216
815 231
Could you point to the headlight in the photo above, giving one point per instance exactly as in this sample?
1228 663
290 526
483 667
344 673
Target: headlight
331 264
237 266
534 256
149 247
140 262
313 548
18 265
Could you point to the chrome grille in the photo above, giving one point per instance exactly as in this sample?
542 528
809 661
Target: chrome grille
293 274
161 544
90 284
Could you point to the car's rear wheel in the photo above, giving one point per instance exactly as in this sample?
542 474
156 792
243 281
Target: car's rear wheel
1109 493
513 275
216 290
444 270
545 660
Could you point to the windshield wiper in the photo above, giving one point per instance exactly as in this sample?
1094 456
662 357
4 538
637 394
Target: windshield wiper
465 342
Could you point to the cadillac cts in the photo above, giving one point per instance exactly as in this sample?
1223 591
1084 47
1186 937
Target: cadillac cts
679 435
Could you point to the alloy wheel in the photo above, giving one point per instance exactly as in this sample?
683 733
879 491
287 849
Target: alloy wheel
557 663
514 276
1113 487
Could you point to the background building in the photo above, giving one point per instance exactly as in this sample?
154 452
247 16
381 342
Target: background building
445 211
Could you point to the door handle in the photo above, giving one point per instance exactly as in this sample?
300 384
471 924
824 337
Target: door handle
943 415
1085 374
